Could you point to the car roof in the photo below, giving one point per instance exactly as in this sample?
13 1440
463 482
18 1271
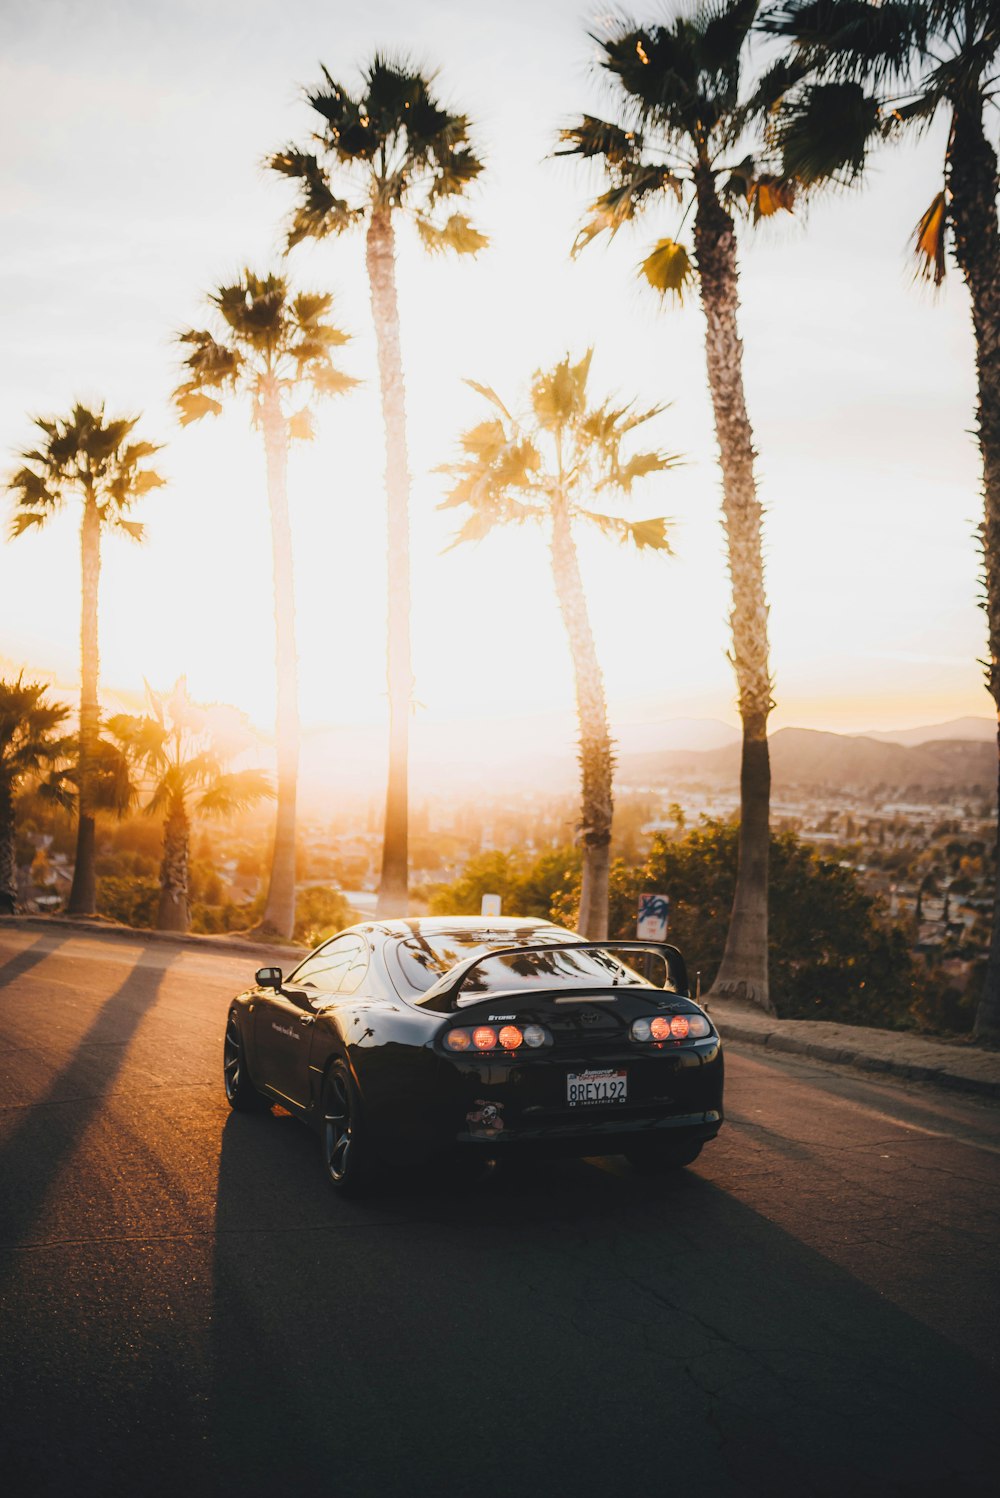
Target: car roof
442 925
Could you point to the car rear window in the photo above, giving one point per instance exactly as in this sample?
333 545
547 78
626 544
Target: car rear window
424 959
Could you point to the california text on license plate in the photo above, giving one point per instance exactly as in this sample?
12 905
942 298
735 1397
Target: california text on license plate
607 1086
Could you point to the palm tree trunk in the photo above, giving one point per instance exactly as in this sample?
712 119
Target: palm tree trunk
973 182
393 891
8 865
743 973
173 913
83 891
596 754
279 908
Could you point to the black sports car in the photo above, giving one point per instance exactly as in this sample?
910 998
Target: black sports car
472 1038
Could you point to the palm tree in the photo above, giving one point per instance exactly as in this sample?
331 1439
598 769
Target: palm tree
181 748
29 744
876 72
684 115
548 467
86 455
389 149
277 349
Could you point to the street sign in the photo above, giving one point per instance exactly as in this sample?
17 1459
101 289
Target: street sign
490 905
654 917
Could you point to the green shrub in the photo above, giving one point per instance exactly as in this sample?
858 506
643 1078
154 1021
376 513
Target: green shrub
132 901
320 913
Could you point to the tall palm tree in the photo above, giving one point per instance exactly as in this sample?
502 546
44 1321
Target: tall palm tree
549 467
90 457
181 748
29 744
276 348
876 72
387 150
685 111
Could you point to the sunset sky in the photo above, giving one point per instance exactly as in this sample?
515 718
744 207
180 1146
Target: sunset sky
132 183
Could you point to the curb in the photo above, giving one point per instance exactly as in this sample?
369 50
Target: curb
860 1060
100 927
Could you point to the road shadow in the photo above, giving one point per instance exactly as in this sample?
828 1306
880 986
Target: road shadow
52 1127
569 1328
30 956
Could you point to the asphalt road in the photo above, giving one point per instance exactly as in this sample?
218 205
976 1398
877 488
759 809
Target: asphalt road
186 1309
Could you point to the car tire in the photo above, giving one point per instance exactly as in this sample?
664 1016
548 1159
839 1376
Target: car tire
241 1094
662 1158
345 1148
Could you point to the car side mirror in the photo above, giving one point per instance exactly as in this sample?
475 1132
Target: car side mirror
268 977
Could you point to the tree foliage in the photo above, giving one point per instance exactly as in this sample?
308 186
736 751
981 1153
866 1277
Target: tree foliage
268 342
868 72
561 450
832 954
686 105
525 885
389 146
31 737
320 913
88 455
180 749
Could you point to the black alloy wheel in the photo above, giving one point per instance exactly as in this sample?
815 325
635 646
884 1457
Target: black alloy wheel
344 1151
241 1094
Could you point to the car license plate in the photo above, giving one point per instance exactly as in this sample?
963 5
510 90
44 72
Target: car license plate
588 1087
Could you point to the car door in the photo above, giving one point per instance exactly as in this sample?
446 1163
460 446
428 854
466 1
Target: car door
284 1017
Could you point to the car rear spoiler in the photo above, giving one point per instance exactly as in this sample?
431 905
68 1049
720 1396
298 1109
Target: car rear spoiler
446 993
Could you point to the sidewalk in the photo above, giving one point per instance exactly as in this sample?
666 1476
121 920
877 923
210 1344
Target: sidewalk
917 1058
283 954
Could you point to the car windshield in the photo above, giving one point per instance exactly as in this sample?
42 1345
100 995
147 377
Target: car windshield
426 958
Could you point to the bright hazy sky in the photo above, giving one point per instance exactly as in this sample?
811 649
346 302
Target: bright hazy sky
132 184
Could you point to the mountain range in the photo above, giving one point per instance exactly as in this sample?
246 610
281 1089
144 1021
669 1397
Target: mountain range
804 759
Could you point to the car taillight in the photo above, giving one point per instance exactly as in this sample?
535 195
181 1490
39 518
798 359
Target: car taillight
486 1038
677 1027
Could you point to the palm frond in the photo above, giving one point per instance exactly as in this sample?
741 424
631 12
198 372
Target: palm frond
326 380
25 520
644 535
640 466
930 241
485 441
454 171
302 425
236 791
825 131
668 268
192 405
770 194
724 33
560 394
456 234
851 40
134 529
476 528
594 137
111 785
489 394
